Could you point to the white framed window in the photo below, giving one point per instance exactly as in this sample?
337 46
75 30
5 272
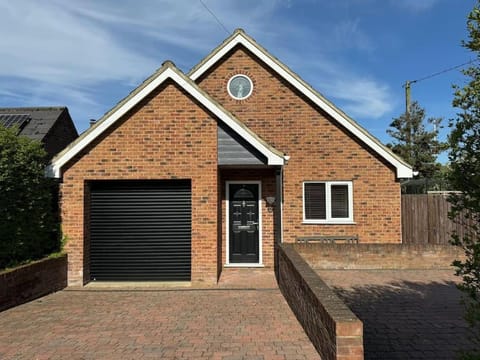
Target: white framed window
240 87
327 202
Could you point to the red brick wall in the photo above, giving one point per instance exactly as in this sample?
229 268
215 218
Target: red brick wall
318 150
28 282
333 329
379 256
167 136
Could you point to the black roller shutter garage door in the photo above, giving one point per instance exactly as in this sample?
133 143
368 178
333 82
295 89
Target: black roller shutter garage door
140 230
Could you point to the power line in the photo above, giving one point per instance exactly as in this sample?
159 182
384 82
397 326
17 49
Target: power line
215 17
410 82
443 71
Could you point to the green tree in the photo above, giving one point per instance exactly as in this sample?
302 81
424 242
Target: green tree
27 224
414 143
464 157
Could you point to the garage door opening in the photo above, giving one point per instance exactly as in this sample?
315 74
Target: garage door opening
140 230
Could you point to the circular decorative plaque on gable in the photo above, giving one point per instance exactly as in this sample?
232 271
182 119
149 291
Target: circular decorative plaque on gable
240 87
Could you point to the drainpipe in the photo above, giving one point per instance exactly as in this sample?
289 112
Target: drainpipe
277 231
278 205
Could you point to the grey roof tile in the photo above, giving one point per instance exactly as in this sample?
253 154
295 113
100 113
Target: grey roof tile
41 119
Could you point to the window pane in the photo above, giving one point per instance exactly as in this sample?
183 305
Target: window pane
315 200
243 194
339 194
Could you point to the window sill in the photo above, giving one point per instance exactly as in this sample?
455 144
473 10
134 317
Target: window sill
328 222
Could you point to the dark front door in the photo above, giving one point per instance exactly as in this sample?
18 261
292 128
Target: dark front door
243 218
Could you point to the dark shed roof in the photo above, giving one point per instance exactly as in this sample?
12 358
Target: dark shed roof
41 121
51 125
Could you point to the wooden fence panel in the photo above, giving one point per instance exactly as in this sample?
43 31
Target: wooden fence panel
415 219
425 219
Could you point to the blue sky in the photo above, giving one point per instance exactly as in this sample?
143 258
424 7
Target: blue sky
89 54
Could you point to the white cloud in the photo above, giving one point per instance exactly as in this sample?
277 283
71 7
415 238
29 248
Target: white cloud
87 42
415 5
364 98
58 52
348 34
47 43
181 23
359 95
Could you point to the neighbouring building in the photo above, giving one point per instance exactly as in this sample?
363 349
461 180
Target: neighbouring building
53 126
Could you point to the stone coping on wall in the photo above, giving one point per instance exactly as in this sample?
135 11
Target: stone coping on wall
378 256
31 281
332 327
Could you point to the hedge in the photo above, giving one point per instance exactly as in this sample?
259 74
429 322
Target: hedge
29 229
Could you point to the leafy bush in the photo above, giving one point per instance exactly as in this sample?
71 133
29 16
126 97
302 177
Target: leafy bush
465 176
28 229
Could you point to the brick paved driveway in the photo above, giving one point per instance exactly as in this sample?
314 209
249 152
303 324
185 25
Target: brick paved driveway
155 324
407 314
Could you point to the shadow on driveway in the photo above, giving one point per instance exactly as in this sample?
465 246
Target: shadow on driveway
404 319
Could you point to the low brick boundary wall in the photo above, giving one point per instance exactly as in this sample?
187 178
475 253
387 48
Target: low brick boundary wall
332 327
378 256
28 282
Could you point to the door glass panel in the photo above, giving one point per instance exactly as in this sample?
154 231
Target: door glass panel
251 214
243 194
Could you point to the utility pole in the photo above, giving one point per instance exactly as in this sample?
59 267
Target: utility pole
407 97
407 112
408 121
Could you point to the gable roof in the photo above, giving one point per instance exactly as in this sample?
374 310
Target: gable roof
239 37
167 71
37 121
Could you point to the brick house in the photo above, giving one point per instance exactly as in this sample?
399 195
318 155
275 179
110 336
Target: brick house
52 126
191 173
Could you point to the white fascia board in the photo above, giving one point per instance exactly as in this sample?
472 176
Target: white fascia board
53 170
55 167
403 171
